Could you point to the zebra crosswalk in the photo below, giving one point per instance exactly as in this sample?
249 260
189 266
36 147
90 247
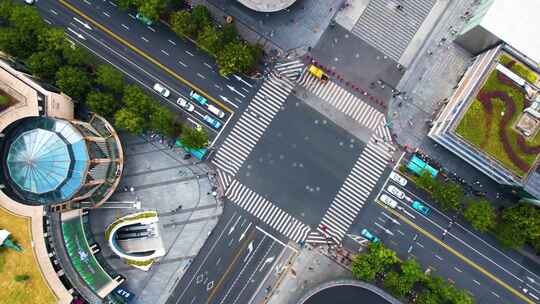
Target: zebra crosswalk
346 102
252 123
291 69
267 212
353 193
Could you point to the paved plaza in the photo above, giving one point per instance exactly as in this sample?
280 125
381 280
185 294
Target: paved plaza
181 191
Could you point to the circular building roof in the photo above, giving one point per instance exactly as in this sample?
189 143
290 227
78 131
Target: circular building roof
46 160
267 6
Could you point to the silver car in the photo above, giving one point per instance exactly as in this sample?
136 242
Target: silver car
163 91
396 192
188 106
402 181
388 201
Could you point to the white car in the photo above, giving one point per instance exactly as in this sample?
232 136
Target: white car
396 192
388 201
163 91
402 181
188 106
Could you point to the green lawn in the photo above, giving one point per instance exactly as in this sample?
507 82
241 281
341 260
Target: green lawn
473 129
12 263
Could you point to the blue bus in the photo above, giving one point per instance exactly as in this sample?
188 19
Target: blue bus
417 165
197 153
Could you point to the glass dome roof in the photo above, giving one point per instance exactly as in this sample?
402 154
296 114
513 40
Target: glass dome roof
47 160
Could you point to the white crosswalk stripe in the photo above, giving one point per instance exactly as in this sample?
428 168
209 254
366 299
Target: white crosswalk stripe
267 212
291 69
348 103
223 178
252 124
353 193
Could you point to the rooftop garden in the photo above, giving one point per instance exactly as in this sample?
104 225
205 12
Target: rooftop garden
488 122
21 279
5 101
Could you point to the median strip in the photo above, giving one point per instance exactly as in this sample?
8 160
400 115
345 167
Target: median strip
459 255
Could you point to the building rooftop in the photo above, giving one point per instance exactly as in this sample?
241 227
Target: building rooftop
489 123
509 21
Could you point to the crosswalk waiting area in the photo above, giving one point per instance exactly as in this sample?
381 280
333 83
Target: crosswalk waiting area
253 123
347 103
353 194
267 212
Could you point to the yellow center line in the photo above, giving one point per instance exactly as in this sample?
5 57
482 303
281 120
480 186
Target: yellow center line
226 273
143 54
459 255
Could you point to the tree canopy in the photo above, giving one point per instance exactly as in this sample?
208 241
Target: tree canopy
194 138
480 214
110 78
73 81
103 104
129 121
376 260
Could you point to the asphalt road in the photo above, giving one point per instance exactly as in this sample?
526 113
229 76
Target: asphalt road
233 263
150 54
459 254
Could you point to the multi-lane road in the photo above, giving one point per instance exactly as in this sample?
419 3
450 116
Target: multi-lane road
451 250
149 55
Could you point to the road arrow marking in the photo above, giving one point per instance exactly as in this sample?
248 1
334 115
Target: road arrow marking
244 233
233 89
227 101
76 34
242 80
83 23
234 226
267 261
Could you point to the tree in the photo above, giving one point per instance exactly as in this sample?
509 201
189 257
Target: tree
395 284
152 8
427 297
194 138
44 64
201 16
52 39
481 215
137 101
110 78
448 195
411 272
162 121
460 296
519 224
77 56
6 7
210 39
21 277
73 81
426 181
377 259
127 4
235 57
20 37
102 103
229 33
129 121
182 23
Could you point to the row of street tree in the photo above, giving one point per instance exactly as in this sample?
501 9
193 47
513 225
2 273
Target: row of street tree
405 280
513 226
48 54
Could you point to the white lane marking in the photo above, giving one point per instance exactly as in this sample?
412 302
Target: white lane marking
107 14
132 16
245 89
222 129
183 64
477 283
400 232
47 21
205 258
105 46
237 100
112 3
201 76
53 11
151 28
207 65
79 35
228 101
422 246
165 52
125 26
87 2
144 39
244 233
193 121
172 42
189 53
471 233
534 296
275 239
438 257
86 25
495 294
457 269
242 80
218 87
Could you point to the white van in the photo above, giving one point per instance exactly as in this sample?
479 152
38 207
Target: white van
216 111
